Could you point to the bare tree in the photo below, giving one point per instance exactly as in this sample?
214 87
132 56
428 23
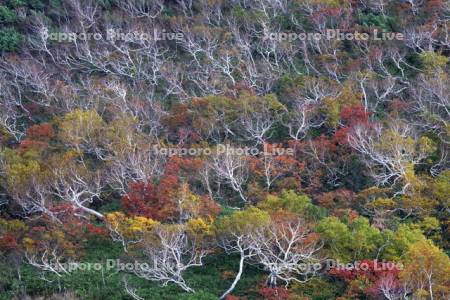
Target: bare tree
131 290
392 289
257 125
168 255
431 101
10 111
303 117
237 243
142 8
231 169
136 162
50 259
287 249
235 235
78 187
391 152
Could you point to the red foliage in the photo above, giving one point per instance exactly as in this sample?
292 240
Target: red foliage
279 293
8 242
72 225
341 135
277 162
399 106
182 168
96 230
67 237
40 132
340 198
373 272
350 116
179 124
158 201
38 228
37 138
433 6
371 269
144 199
178 117
354 114
27 144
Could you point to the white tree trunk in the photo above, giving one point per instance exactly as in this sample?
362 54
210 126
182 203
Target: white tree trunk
237 278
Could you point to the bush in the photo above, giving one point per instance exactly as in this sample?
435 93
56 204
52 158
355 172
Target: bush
9 40
7 15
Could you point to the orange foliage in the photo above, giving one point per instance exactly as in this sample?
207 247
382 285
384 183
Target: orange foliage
159 201
279 293
40 132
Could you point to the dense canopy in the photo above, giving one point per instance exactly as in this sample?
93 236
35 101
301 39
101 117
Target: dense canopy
240 149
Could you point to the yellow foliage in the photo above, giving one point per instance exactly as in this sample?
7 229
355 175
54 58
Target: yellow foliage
426 145
80 127
384 203
12 225
332 111
28 243
432 61
200 227
130 226
244 221
347 96
426 263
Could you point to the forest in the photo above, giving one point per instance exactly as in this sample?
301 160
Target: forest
224 149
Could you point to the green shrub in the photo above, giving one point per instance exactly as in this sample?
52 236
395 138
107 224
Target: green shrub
9 40
7 15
